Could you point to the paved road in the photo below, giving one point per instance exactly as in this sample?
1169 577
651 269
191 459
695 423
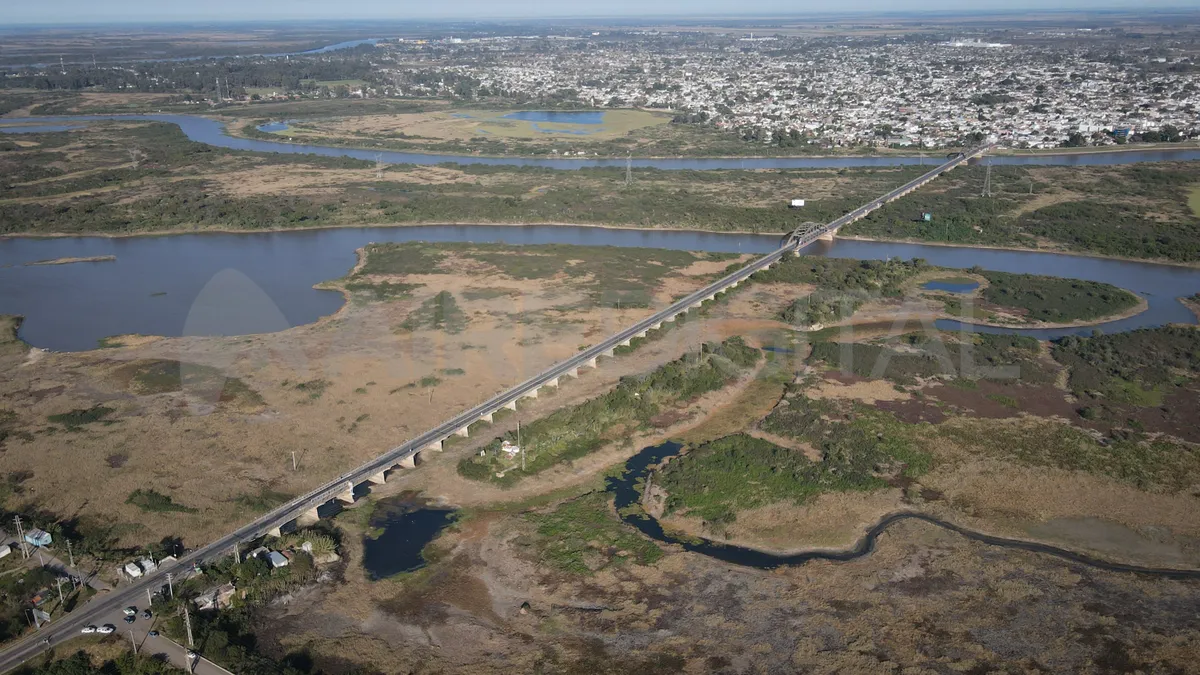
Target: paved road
103 606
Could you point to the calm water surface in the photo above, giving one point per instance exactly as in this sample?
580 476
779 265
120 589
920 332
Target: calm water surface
237 284
404 533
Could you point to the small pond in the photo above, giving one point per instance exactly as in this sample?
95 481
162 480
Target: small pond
273 126
405 527
569 117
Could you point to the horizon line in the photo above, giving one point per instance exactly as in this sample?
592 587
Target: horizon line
508 18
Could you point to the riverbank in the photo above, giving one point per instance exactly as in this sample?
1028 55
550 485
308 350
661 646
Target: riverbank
1024 249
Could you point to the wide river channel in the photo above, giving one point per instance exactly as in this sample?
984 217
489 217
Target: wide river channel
213 132
238 284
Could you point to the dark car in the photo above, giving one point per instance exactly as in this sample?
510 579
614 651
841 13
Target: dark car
130 619
153 633
146 614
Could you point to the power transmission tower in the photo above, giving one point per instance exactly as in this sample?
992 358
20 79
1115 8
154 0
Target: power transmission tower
187 622
987 181
21 537
379 165
629 169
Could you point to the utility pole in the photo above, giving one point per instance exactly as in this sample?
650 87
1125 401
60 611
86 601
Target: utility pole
21 537
237 555
70 554
187 622
170 586
987 181
293 460
629 168
149 598
58 582
133 642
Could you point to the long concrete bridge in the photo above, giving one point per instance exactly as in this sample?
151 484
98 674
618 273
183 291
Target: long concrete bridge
303 510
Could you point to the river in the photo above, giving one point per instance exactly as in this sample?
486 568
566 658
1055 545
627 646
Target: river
213 132
237 284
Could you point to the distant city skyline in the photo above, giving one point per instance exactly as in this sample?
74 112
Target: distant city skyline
156 11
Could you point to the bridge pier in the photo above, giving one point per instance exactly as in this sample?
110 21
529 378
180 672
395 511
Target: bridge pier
378 478
591 363
511 405
409 462
436 445
696 305
309 517
828 236
275 532
607 352
532 393
486 417
463 432
655 326
623 343
346 497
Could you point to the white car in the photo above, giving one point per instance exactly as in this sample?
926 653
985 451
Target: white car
130 611
191 655
106 629
87 629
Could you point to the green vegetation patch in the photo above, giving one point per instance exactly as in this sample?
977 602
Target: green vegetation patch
1194 201
441 312
151 500
885 277
611 274
1056 300
162 376
1158 465
77 419
382 291
10 428
909 357
1131 366
404 258
583 536
1137 210
640 402
10 344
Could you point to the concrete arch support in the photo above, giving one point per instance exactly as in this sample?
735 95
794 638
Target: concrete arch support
486 417
511 405
308 517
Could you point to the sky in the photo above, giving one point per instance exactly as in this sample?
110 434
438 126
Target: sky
93 11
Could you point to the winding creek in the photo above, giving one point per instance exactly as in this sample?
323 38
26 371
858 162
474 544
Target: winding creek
213 132
626 493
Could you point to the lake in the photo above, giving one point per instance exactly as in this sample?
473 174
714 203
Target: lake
239 284
213 132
